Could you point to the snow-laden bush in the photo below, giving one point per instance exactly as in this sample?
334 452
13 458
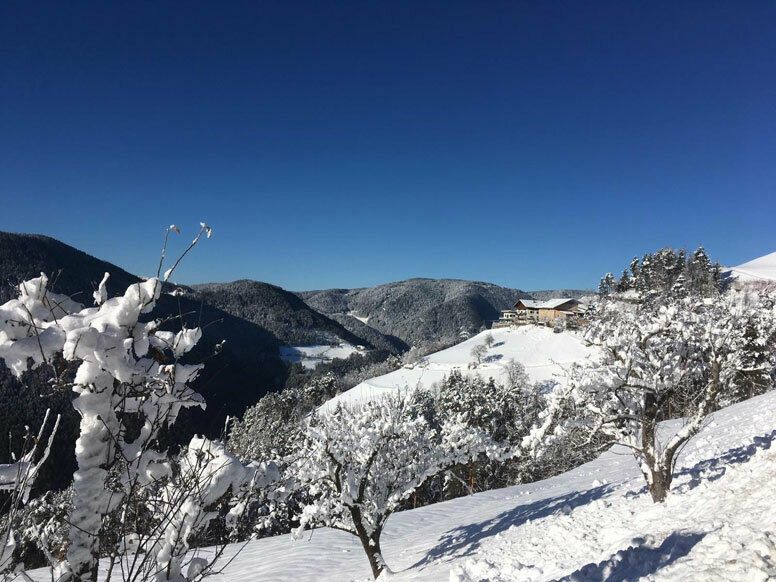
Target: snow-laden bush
503 410
358 464
130 383
651 352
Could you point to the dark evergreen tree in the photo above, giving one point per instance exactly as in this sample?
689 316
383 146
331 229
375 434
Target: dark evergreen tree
625 283
755 368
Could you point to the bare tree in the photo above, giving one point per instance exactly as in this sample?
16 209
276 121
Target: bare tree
478 353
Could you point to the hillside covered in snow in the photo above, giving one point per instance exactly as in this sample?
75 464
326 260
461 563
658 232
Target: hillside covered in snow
544 355
595 522
759 269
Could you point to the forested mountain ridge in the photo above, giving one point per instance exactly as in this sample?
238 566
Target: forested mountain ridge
284 314
419 311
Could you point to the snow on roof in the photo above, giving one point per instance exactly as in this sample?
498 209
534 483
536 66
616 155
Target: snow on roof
549 304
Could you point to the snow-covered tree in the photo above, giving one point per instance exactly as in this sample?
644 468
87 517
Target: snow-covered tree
667 272
756 360
624 283
648 353
608 285
503 410
359 463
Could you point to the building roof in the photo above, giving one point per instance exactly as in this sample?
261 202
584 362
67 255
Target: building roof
549 304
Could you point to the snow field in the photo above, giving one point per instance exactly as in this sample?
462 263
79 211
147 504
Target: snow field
311 356
543 353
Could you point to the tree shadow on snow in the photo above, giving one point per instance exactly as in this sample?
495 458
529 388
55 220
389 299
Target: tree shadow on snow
637 561
464 540
714 468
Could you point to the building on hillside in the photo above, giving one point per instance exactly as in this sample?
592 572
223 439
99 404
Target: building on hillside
529 311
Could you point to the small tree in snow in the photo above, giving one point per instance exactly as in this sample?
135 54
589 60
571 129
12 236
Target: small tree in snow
478 353
358 464
648 353
488 341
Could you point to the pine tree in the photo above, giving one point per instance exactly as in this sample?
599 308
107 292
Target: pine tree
625 283
607 285
634 268
755 364
701 274
679 288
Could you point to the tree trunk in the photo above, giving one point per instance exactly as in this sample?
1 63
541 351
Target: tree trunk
373 553
660 484
659 477
370 543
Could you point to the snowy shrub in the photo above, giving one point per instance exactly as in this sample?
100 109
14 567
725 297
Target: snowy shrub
359 464
41 528
130 383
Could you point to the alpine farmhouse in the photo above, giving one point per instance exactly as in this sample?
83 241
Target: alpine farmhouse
528 311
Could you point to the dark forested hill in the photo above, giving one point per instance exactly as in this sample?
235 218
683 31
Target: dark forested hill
279 311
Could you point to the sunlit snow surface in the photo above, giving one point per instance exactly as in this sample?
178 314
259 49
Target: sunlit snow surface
544 354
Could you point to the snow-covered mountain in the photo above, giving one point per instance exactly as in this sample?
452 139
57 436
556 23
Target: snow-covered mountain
543 353
760 269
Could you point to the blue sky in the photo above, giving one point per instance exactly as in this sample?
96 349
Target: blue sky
534 145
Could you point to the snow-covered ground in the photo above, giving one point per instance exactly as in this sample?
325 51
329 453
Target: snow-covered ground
760 269
311 356
593 523
543 353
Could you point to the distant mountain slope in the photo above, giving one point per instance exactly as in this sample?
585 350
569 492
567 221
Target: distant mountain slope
418 311
378 339
281 312
760 269
545 294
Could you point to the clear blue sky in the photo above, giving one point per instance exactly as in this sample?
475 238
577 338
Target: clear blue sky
535 145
